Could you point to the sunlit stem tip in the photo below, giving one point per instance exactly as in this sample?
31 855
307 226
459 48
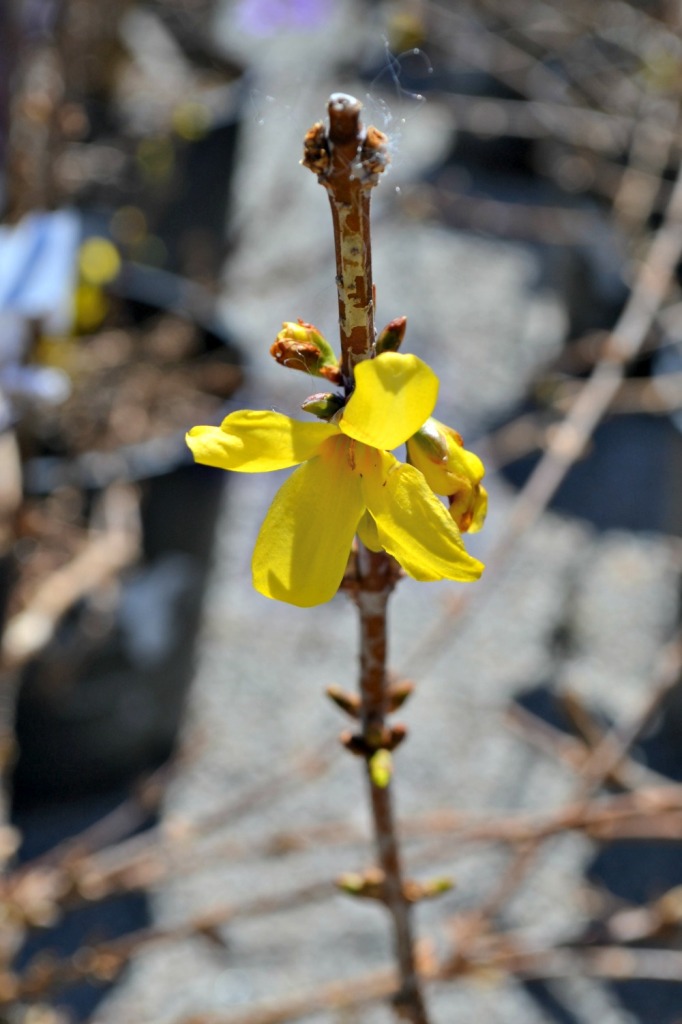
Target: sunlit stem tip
348 160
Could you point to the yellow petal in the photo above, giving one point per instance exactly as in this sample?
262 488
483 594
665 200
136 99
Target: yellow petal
437 451
469 506
368 533
413 525
394 394
479 511
303 546
254 441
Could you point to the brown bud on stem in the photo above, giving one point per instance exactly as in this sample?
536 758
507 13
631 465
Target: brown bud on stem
429 890
348 702
387 738
391 338
398 693
368 885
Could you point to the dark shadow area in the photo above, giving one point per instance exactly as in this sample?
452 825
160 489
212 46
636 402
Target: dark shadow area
44 826
629 479
632 873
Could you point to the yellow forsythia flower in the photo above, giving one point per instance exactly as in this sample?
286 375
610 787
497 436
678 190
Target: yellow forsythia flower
347 482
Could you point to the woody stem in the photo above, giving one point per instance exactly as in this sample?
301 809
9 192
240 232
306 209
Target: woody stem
348 159
376 577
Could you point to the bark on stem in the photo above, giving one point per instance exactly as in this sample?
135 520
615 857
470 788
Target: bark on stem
376 577
348 159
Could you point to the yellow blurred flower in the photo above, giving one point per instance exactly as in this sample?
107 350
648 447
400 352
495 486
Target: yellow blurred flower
98 261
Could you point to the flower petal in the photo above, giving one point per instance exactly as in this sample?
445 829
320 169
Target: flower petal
413 525
437 451
475 512
394 395
368 533
253 441
303 546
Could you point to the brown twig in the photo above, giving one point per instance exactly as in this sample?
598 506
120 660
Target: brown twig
652 811
612 749
655 133
103 961
172 848
599 78
573 752
538 119
348 159
375 580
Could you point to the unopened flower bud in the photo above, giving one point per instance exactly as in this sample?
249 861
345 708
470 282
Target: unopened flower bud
438 452
300 346
324 405
391 338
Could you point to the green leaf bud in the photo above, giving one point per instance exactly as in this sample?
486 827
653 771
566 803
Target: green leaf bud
324 405
381 768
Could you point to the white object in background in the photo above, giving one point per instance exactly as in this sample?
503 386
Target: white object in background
38 268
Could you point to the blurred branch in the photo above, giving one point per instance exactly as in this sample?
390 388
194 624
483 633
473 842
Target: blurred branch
109 550
103 961
507 954
652 282
541 119
38 91
651 149
574 752
612 749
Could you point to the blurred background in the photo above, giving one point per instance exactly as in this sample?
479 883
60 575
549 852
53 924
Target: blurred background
175 804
